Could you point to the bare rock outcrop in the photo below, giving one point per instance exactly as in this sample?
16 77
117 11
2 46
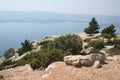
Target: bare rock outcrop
113 58
87 60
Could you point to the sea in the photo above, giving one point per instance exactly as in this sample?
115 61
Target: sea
13 33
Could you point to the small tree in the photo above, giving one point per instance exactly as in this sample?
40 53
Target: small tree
108 32
93 27
26 46
99 44
9 53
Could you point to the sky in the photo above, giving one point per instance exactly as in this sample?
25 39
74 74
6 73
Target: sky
97 7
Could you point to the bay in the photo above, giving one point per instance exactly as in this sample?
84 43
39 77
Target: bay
12 34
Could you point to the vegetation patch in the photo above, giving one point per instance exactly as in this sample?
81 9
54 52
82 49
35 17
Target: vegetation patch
26 46
108 32
99 44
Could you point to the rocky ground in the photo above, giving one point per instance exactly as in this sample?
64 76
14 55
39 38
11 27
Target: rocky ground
61 71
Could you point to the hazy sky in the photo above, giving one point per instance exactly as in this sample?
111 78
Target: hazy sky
99 7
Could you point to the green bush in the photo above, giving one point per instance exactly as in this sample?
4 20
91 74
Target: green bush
45 42
87 40
70 42
99 44
46 57
108 32
109 42
1 67
43 58
26 46
6 64
116 49
113 51
116 43
9 53
95 51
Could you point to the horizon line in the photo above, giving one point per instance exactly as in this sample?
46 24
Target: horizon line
58 12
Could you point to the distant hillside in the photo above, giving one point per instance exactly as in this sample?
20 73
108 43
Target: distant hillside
50 17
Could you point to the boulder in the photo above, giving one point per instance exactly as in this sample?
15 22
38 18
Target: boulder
86 60
73 59
113 58
94 57
97 64
76 63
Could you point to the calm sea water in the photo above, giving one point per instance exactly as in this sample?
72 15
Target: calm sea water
12 34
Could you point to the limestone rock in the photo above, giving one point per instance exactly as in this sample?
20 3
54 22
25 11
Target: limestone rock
76 63
94 57
87 60
97 64
113 58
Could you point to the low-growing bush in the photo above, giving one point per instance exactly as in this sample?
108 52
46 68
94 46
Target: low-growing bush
94 51
26 46
108 32
6 64
116 43
116 49
99 44
45 42
113 51
71 42
1 67
9 53
109 42
87 40
42 58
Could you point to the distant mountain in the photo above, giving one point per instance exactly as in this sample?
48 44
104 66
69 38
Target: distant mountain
50 17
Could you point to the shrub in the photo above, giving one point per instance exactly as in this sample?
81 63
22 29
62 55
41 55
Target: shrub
1 67
71 43
108 32
42 58
109 42
95 51
113 51
45 42
96 44
116 49
116 43
26 46
6 64
87 40
9 53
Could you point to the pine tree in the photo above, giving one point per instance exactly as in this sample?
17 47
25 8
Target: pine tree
93 27
26 46
108 32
